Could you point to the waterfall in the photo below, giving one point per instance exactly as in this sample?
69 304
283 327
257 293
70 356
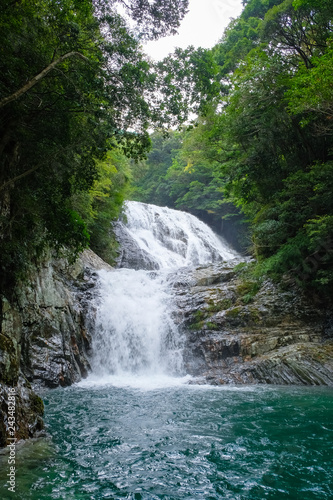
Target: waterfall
158 237
135 330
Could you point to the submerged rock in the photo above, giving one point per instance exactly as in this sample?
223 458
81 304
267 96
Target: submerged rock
272 337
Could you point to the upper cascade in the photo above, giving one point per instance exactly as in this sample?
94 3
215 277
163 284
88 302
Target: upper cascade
158 238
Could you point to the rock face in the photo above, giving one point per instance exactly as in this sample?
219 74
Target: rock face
236 334
44 337
131 255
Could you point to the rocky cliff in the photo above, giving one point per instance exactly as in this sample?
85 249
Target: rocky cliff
236 334
44 337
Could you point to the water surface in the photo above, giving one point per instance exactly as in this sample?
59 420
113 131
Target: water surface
181 442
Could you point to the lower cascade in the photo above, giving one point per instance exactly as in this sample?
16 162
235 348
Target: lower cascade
136 332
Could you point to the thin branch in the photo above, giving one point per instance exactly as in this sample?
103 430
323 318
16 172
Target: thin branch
27 172
31 83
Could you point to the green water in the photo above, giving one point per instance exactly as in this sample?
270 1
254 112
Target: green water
181 442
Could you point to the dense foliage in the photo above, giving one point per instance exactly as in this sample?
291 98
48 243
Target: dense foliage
77 96
74 84
264 141
278 117
180 175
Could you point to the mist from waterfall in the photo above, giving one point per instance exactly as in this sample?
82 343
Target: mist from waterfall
135 329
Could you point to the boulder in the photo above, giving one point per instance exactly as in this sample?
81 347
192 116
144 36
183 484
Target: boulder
44 336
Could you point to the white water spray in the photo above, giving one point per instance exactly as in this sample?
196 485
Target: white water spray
134 329
160 238
135 333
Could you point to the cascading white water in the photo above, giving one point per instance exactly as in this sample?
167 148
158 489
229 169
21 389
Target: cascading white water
135 331
163 238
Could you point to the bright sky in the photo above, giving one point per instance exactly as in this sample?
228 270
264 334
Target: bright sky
203 26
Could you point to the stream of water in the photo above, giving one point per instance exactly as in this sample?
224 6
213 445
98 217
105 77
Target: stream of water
138 429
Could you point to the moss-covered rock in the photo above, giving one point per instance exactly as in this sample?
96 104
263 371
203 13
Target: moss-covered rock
19 404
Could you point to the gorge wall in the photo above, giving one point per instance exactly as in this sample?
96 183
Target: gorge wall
44 337
273 336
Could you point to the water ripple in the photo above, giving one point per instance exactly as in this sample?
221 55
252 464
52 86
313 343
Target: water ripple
182 442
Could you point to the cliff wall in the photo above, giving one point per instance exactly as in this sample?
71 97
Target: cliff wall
273 336
44 337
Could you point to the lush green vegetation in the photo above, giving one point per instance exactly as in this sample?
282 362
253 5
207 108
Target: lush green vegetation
179 173
76 95
279 125
77 98
264 140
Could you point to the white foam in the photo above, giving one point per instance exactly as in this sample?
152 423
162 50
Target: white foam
174 238
136 341
134 331
128 380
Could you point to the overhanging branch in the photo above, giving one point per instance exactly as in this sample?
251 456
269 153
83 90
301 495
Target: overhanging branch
18 177
31 83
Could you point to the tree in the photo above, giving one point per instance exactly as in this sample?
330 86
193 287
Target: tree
310 94
276 114
103 202
72 76
149 182
181 172
270 131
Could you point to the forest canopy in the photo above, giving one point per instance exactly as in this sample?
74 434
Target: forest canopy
74 86
78 97
263 140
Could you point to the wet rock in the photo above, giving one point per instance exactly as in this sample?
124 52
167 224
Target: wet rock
153 237
278 337
28 412
131 256
44 337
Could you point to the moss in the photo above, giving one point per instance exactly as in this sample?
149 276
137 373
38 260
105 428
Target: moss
255 315
197 326
247 286
221 305
241 267
247 290
323 353
10 367
6 344
211 325
198 316
234 312
212 306
225 304
36 404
